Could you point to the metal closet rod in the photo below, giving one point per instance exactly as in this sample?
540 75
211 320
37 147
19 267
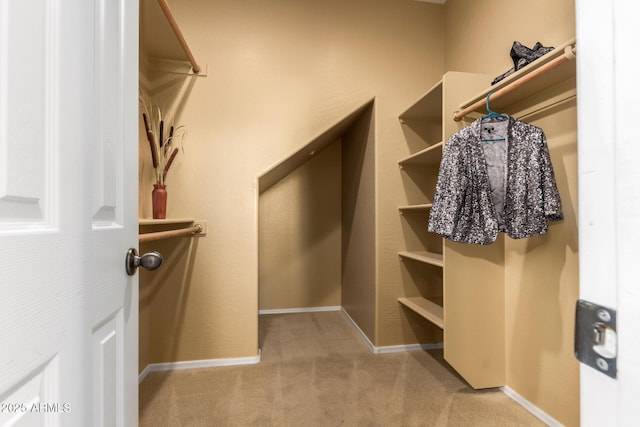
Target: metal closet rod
176 29
149 237
569 54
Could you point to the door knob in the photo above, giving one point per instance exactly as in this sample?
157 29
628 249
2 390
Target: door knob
150 261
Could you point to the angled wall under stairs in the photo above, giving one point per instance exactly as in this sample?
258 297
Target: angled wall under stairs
317 223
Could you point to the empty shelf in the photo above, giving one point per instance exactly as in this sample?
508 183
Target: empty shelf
425 206
423 256
429 156
428 107
149 221
425 308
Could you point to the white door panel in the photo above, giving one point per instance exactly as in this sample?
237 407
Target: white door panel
27 125
609 150
108 67
68 150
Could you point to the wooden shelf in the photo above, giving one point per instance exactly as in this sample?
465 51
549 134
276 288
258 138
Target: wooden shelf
430 310
470 322
429 156
168 221
553 77
410 208
161 36
158 229
427 108
424 256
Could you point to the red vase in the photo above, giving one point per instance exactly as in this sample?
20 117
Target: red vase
159 201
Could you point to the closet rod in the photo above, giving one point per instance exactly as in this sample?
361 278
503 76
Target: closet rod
148 237
176 29
569 54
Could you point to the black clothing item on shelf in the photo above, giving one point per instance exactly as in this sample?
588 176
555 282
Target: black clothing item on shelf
523 56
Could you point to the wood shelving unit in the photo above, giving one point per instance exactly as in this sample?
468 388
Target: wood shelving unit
424 120
430 118
472 276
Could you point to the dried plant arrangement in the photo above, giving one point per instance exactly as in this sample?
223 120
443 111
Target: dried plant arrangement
165 139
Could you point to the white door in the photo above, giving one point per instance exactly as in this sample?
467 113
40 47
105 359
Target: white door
609 180
68 174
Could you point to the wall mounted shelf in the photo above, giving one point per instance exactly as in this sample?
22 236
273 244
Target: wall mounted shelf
161 36
149 221
545 72
158 229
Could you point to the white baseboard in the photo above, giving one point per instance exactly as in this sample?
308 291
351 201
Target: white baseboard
300 310
195 364
390 348
410 347
356 328
362 335
539 413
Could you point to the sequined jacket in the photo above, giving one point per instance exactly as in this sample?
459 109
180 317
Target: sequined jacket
467 209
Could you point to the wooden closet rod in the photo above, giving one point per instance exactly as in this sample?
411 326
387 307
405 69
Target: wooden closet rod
148 237
569 54
176 29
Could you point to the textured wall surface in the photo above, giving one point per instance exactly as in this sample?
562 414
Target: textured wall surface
300 230
279 74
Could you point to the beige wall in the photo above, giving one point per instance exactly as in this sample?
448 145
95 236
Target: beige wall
479 34
541 274
280 73
167 299
541 279
300 230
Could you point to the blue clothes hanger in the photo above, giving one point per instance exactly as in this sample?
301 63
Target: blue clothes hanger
491 115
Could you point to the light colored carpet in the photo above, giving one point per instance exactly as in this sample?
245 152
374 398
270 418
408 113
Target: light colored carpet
315 371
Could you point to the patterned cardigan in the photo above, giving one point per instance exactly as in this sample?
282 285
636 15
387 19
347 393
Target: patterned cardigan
467 209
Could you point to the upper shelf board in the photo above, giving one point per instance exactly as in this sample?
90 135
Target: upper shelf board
149 221
157 39
553 77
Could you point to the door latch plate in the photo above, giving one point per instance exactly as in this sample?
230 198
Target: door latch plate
595 341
